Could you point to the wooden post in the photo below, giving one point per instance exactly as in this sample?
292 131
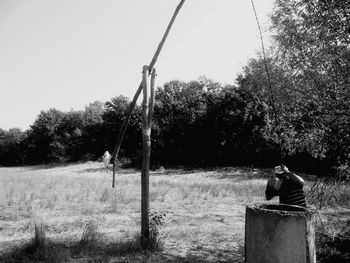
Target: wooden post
146 153
147 113
152 97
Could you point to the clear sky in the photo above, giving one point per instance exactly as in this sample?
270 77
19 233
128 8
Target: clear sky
65 54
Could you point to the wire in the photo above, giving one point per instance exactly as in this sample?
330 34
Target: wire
272 98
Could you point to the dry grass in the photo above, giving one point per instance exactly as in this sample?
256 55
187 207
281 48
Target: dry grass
331 200
325 193
84 219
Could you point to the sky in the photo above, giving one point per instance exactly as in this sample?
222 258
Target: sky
65 54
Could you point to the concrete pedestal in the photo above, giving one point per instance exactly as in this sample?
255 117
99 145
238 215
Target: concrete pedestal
279 234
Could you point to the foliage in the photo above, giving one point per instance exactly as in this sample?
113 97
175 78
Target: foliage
112 120
92 139
10 147
178 107
205 123
313 46
197 123
309 66
44 142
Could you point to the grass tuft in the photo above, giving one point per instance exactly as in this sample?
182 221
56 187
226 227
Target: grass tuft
105 195
89 239
37 249
157 221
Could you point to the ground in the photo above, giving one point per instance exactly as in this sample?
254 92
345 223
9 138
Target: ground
76 206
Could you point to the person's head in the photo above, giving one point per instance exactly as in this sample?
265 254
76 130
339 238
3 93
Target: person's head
280 170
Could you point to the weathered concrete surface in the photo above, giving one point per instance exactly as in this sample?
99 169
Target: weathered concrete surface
279 233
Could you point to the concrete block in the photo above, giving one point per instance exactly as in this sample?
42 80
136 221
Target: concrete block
279 234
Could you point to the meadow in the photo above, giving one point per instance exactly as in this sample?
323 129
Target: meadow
70 213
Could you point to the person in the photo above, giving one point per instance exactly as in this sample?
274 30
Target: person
106 160
288 186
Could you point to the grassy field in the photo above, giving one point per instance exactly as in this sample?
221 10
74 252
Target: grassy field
74 215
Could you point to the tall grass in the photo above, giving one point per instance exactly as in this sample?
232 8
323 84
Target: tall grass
332 231
203 209
90 244
329 193
89 240
38 249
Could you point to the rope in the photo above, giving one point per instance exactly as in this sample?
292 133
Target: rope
272 98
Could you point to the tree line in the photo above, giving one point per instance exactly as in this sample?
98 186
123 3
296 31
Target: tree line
300 115
195 123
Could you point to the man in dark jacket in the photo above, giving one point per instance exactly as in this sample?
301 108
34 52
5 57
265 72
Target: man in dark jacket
288 186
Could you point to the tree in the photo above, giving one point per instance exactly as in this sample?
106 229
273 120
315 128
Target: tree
291 125
10 147
313 41
44 142
113 118
204 123
178 108
91 147
93 113
70 132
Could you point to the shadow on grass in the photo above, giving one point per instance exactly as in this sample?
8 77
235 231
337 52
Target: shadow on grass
248 173
60 251
47 166
242 173
123 251
110 171
209 255
235 173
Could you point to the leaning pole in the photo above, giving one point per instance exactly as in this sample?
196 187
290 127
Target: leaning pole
125 123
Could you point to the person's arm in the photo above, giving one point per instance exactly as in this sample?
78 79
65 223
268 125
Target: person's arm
291 176
270 192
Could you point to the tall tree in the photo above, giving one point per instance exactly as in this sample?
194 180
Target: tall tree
10 147
44 142
313 43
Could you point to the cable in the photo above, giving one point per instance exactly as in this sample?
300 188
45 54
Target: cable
272 98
